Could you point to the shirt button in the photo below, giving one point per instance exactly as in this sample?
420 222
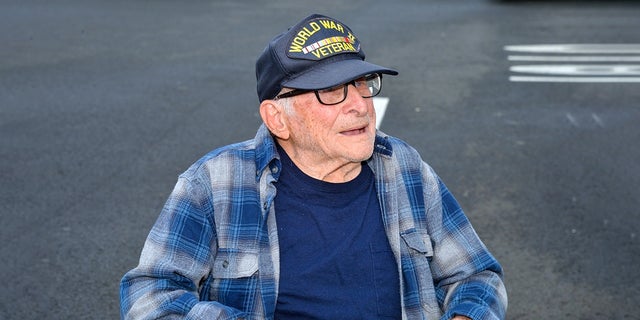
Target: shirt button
225 264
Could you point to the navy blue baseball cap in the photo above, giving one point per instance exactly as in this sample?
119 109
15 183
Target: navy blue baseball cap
317 53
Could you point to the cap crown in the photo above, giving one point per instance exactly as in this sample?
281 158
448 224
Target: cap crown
314 42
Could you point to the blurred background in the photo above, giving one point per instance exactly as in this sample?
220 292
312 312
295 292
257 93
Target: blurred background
528 110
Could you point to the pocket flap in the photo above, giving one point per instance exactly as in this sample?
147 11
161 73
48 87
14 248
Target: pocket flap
234 263
419 241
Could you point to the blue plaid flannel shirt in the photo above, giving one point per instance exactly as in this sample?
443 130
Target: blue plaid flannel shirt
213 252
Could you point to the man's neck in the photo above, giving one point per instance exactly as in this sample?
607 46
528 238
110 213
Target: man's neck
322 169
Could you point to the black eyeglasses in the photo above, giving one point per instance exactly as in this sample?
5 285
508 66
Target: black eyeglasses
368 86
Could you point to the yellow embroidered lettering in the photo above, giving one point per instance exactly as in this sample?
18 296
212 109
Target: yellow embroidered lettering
297 44
305 33
325 24
314 26
329 24
295 48
349 47
336 47
351 37
300 40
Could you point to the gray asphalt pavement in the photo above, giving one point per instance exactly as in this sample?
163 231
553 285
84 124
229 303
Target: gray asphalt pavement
104 103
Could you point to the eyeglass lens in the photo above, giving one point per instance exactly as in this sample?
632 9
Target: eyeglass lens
368 86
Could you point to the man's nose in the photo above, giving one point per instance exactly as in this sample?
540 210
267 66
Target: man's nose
355 100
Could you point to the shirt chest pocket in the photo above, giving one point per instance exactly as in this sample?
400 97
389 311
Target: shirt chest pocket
234 279
419 242
421 252
234 263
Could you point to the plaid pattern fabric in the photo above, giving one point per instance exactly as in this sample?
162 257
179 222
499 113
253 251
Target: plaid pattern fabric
213 252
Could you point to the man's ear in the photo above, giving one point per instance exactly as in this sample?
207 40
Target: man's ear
273 116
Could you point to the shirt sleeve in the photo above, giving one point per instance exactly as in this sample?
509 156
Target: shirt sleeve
468 279
175 259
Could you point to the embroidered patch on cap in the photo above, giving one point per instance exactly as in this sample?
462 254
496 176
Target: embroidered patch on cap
321 38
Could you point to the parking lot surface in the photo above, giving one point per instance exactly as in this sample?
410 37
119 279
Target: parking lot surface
527 110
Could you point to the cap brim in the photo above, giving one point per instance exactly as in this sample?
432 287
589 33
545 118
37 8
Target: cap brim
335 73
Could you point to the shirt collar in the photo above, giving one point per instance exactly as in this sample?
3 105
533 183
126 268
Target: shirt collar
266 152
382 145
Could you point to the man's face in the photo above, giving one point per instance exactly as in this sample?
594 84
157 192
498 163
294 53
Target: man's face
339 134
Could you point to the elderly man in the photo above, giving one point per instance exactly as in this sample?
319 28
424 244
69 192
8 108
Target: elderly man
319 216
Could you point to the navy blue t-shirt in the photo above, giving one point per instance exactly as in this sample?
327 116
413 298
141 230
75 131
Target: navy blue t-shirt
335 259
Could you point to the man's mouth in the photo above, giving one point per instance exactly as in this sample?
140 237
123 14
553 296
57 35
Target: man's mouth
355 131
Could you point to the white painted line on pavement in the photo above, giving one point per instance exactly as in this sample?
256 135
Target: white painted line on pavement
602 63
576 48
380 104
580 69
576 58
572 120
574 79
598 120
